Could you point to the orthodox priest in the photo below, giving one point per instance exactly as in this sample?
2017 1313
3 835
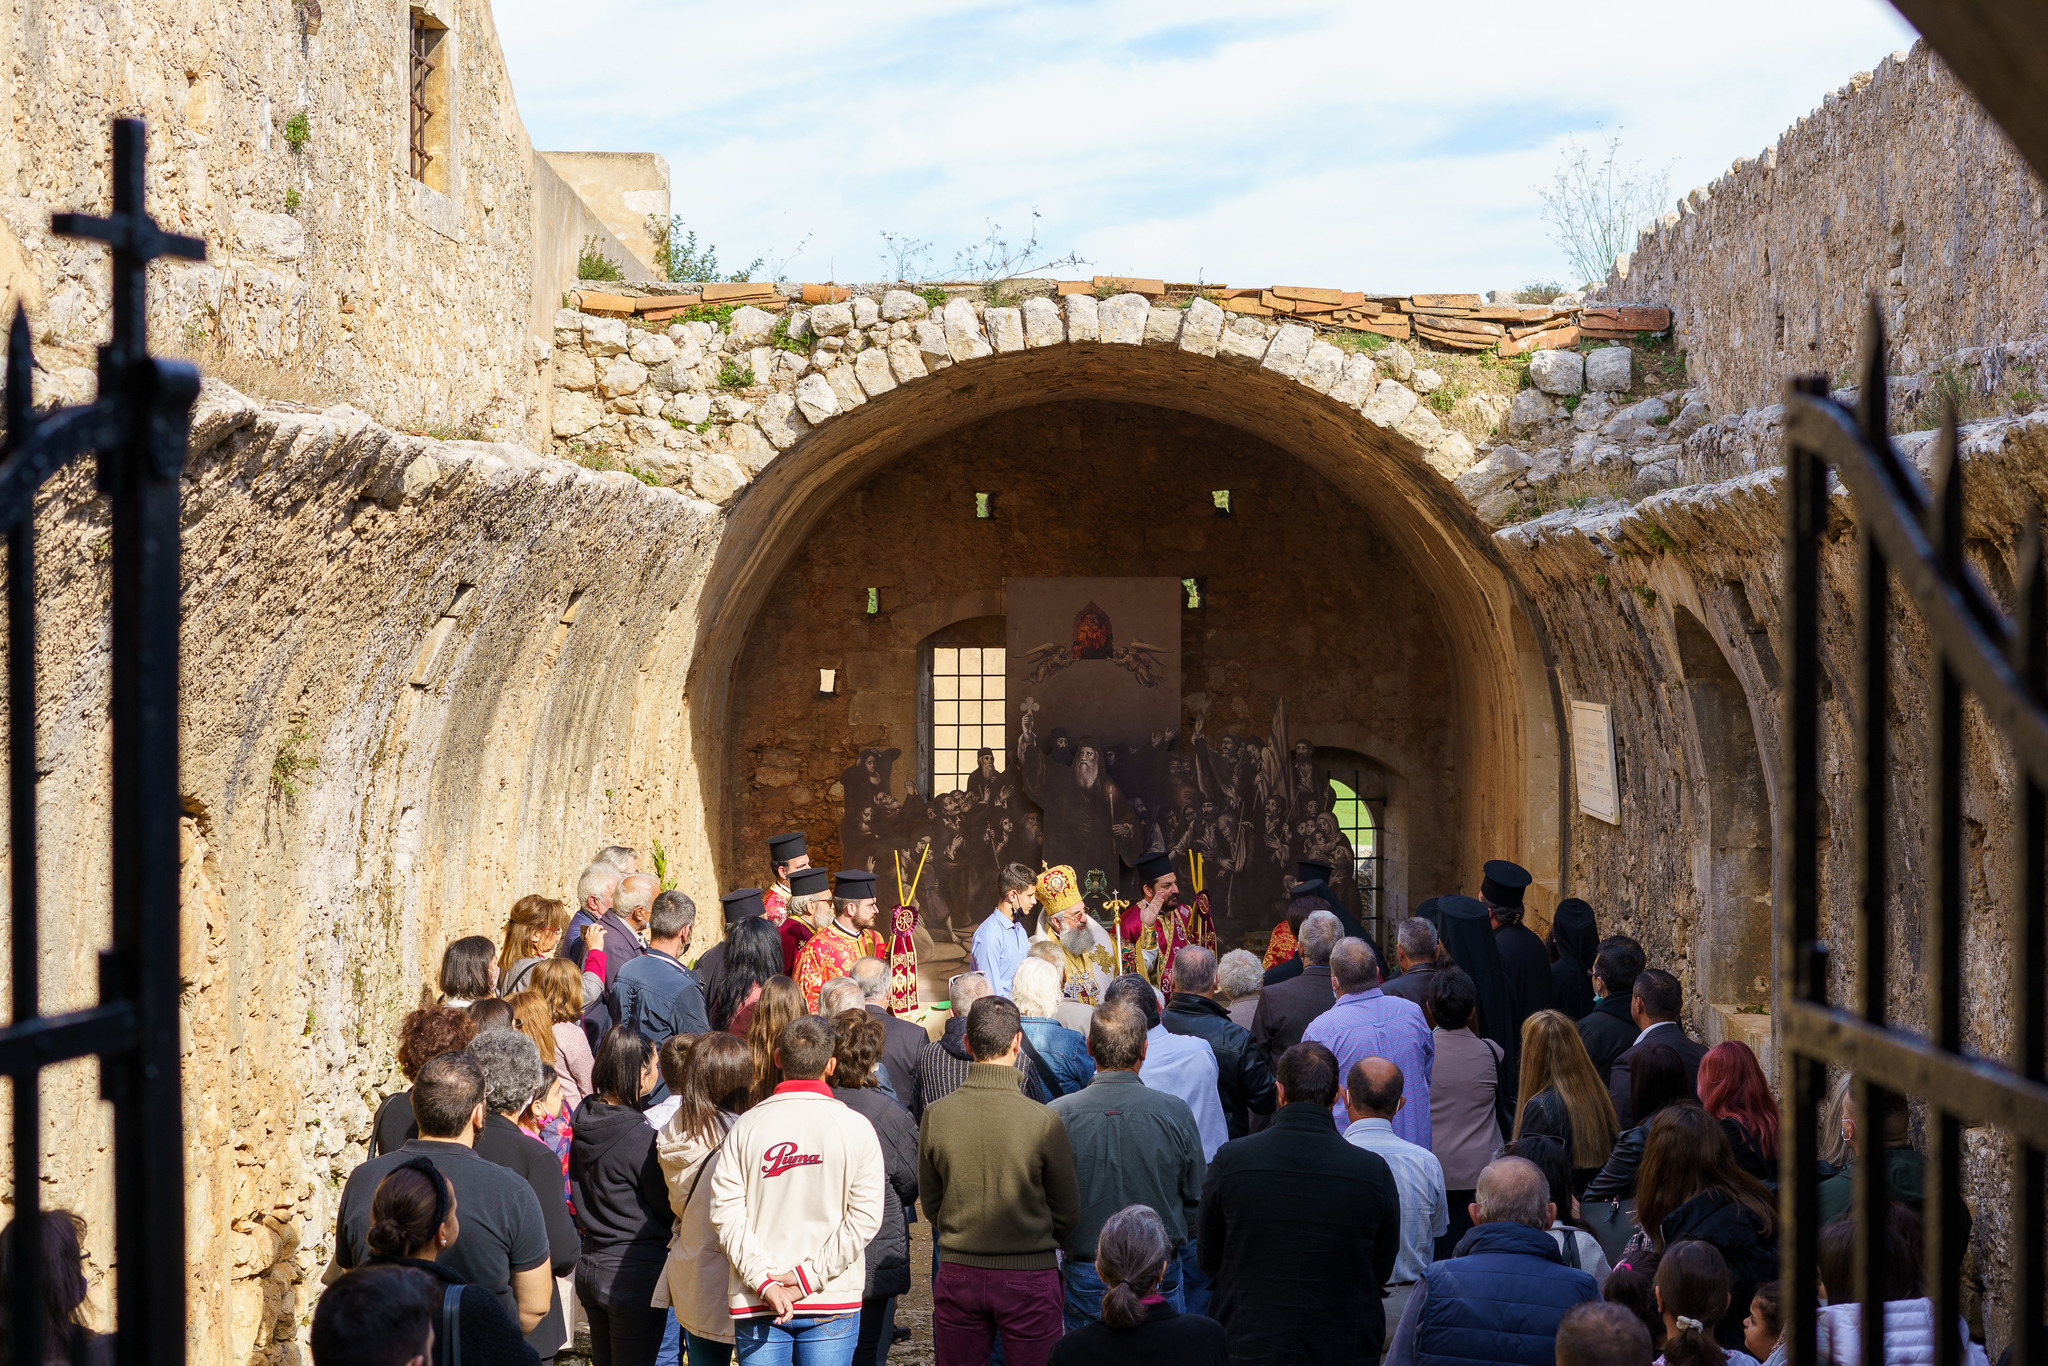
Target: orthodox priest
787 854
809 910
1523 958
851 935
1159 925
1089 949
739 904
1088 820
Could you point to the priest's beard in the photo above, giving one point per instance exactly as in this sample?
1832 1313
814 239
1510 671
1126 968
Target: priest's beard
1079 940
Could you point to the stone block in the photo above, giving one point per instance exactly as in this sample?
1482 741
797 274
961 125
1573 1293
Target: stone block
269 236
1421 426
815 399
1241 348
622 376
604 336
1610 369
1355 385
845 387
1043 325
653 349
1123 319
1389 404
871 368
568 320
716 476
865 313
574 370
1529 408
1202 327
1558 372
689 409
575 413
780 422
1500 466
964 340
1427 381
1289 351
899 304
1005 329
1322 367
1452 454
931 344
1162 326
1399 362
905 362
832 320
1084 318
1690 419
753 450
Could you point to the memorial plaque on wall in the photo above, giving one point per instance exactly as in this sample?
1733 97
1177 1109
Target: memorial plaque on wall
1593 762
1093 703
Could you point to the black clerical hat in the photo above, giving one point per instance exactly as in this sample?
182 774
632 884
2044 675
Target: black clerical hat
809 881
853 884
741 904
1152 867
1504 883
783 848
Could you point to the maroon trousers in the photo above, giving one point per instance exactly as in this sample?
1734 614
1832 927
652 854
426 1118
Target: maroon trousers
970 1303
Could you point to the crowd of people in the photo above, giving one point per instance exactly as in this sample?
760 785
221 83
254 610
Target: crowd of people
1506 1149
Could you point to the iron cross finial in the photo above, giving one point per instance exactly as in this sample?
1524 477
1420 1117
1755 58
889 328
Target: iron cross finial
135 238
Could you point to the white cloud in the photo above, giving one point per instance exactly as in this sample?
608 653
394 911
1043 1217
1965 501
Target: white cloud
1364 144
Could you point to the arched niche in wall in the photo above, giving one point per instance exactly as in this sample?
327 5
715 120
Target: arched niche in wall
1732 852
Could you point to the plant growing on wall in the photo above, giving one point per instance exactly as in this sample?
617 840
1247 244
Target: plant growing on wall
593 264
297 130
1596 205
292 762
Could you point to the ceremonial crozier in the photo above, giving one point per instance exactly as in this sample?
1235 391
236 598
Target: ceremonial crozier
1093 692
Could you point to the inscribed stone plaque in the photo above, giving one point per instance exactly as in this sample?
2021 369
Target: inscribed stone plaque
1593 761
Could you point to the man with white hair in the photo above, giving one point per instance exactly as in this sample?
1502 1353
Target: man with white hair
1415 953
1088 949
1507 1271
1364 1023
623 924
1057 1053
1244 1082
942 1068
1239 976
903 1043
1286 1009
596 888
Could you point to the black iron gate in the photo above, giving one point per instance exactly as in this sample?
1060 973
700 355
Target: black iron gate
138 426
1911 536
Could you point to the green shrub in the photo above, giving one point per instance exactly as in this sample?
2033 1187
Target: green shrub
735 376
934 296
593 264
297 130
291 200
778 337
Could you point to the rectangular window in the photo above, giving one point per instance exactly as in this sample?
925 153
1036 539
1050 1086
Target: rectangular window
984 505
427 92
966 712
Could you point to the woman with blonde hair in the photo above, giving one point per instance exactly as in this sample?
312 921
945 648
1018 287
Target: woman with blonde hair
781 1001
1562 1095
560 984
532 932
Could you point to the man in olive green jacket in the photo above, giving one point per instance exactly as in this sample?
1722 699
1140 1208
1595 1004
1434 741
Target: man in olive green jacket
996 1177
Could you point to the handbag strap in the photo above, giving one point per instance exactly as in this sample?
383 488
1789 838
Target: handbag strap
451 1326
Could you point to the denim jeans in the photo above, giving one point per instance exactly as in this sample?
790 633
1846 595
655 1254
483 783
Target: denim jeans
706 1351
671 1351
800 1342
1194 1282
1084 1288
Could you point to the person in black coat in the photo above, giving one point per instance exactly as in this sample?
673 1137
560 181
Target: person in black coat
1524 961
1131 1256
1573 942
857 1042
1286 1009
1244 1083
902 1042
1609 1030
621 1201
512 1078
1299 1230
1468 936
1654 1004
413 1219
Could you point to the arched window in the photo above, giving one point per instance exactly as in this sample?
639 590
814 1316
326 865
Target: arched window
960 697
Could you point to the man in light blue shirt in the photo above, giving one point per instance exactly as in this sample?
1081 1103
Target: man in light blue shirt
1367 1023
1001 943
1372 1097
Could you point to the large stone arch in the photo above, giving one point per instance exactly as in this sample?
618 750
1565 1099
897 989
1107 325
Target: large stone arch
1506 703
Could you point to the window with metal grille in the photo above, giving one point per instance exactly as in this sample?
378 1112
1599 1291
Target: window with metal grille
967 712
427 87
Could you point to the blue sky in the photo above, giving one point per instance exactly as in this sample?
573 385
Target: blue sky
1361 145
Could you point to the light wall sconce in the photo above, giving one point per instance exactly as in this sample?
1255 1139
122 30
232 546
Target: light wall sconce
828 682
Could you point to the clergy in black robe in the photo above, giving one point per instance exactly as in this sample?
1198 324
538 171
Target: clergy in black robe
1574 939
1088 822
1523 958
1467 935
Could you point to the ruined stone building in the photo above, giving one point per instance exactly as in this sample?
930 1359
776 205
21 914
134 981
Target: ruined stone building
477 582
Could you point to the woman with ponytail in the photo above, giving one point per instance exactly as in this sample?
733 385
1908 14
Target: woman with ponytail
1692 1295
1138 1327
412 1222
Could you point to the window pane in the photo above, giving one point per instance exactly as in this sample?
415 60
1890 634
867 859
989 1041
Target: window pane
1001 754
945 660
945 737
946 687
992 713
970 686
946 713
970 660
992 660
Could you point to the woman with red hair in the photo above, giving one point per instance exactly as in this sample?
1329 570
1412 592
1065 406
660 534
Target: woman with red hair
1733 1090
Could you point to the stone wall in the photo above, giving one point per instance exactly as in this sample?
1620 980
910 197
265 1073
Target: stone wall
1900 186
327 262
1304 599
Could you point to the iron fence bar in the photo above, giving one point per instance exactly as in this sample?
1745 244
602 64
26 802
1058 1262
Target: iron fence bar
29 1046
24 1310
1873 737
1976 1089
1802 957
1944 966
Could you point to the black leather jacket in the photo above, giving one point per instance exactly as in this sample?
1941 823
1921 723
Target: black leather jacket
1617 1180
1243 1080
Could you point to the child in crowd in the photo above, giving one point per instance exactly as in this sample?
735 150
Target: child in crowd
1692 1294
1763 1332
